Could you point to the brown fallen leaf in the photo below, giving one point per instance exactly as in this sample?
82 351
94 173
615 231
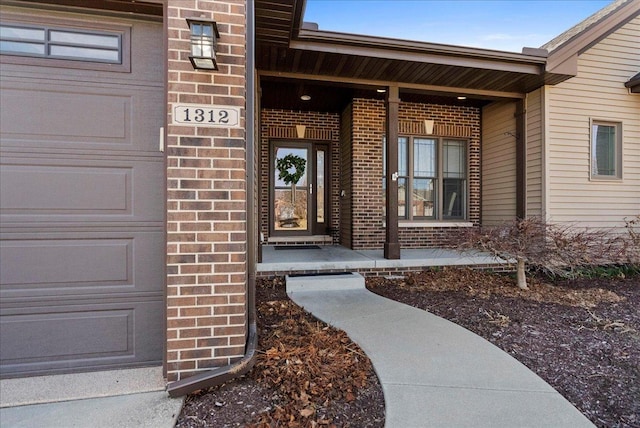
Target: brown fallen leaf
305 413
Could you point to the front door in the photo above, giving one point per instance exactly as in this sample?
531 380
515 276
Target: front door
298 188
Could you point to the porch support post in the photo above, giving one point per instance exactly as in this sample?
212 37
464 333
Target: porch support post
392 243
521 160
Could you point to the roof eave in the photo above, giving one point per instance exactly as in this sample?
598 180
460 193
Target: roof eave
633 84
388 48
564 56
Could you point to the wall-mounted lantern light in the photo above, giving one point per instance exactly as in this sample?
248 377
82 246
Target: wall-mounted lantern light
204 44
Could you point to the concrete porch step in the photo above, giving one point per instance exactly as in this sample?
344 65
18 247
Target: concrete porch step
325 282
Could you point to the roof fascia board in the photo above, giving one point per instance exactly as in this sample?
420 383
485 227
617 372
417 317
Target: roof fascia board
569 67
445 90
634 83
375 47
592 35
428 58
391 43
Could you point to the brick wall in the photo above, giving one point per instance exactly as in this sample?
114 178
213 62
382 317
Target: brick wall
367 203
356 154
281 121
206 198
368 127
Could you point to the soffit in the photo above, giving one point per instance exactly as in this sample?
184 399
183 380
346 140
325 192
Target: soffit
332 97
275 20
368 67
283 49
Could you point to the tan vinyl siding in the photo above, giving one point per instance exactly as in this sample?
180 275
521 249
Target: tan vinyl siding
596 93
498 162
535 154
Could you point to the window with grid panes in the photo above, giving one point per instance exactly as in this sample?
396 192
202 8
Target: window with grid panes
432 178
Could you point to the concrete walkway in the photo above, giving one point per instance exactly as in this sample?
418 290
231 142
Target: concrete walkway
433 373
110 399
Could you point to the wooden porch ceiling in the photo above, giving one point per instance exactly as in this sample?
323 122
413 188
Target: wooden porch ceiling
289 51
473 76
278 93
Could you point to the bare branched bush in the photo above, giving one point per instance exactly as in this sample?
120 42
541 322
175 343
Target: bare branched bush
558 249
633 245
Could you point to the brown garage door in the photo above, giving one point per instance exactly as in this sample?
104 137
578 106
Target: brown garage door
81 194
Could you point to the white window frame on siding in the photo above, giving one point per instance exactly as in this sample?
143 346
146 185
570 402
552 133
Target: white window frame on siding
611 155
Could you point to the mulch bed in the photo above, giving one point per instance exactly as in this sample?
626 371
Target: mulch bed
581 336
308 374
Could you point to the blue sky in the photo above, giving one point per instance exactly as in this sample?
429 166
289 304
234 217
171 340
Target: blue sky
506 25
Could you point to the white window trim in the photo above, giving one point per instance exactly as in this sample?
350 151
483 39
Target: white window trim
619 150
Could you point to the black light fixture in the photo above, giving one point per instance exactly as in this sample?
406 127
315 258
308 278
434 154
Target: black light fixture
204 44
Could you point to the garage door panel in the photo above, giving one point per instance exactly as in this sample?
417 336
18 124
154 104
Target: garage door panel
49 267
74 189
56 114
66 263
79 340
76 115
39 340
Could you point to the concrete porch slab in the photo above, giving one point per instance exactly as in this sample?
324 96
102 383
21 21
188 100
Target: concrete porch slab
338 258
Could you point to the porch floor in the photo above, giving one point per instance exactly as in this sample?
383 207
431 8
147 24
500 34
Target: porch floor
335 258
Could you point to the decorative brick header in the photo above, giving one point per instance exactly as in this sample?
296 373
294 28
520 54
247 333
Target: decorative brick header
308 133
408 127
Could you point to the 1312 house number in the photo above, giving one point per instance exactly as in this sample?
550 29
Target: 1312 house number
206 115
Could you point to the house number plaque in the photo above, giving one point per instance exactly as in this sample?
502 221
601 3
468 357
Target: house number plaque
206 115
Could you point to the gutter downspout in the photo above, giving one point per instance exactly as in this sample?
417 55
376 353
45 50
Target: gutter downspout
220 375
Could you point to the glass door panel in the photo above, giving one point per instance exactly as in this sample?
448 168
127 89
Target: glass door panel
291 189
320 187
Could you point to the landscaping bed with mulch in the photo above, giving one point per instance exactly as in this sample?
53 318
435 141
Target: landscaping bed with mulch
308 374
581 336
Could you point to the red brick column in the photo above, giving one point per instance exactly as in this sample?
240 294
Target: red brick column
206 197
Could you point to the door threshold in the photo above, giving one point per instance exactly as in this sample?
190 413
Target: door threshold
293 240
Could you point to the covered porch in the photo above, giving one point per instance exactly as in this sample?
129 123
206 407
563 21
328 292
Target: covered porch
456 119
313 259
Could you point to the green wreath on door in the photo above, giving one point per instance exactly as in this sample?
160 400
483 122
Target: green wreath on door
290 170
